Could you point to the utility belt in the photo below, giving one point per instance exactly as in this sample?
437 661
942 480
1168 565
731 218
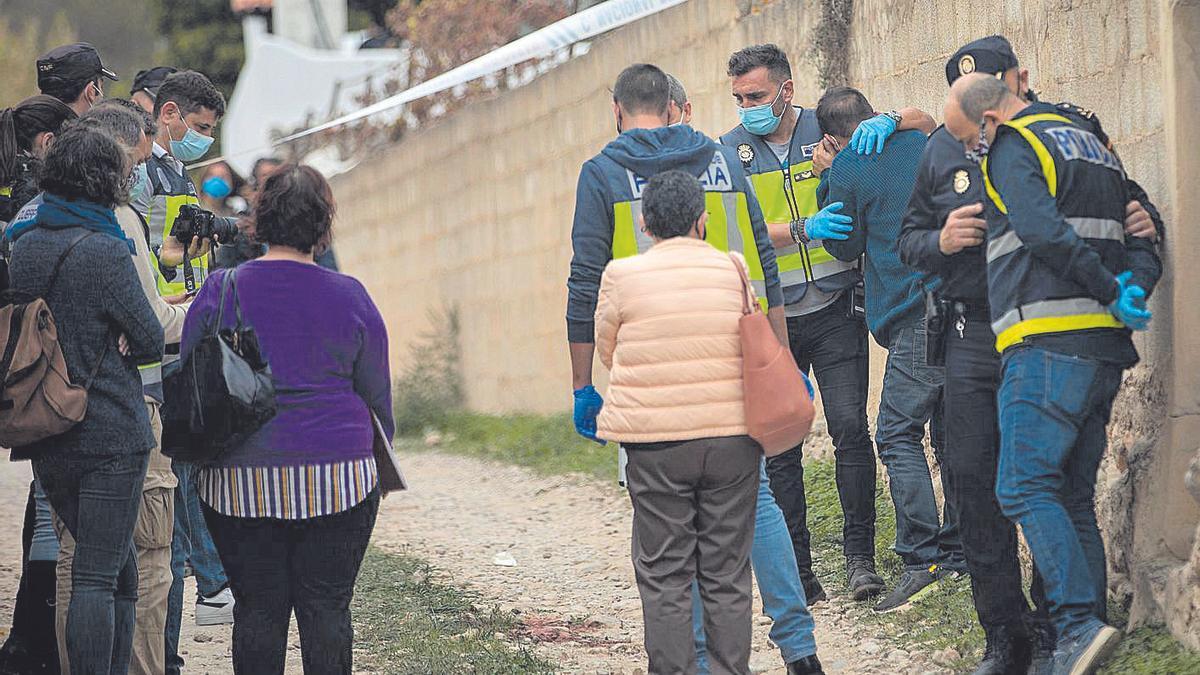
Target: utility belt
945 317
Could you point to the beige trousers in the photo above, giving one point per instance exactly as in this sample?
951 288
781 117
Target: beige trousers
152 538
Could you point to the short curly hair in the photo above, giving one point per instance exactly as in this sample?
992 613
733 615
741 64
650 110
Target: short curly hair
672 203
295 208
84 163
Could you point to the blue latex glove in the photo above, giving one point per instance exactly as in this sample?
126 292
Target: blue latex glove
588 403
870 135
1130 305
812 394
829 223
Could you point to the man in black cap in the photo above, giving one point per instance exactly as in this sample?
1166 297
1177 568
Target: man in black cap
146 84
943 233
72 74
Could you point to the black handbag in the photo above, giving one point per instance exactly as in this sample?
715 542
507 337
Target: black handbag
222 393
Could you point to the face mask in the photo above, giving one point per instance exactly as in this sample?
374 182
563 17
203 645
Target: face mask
217 187
977 153
761 120
139 187
192 146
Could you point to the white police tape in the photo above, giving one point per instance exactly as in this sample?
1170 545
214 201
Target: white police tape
544 42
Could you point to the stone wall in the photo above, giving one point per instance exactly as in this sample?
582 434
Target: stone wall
475 210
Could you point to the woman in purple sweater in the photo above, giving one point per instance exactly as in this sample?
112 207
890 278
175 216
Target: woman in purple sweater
291 511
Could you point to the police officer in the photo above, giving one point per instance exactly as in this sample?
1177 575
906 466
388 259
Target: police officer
942 234
74 75
775 143
608 201
146 84
1066 284
186 109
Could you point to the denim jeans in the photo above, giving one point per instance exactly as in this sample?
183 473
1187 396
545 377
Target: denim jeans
834 346
279 566
97 498
912 398
44 545
773 563
1053 412
969 471
191 541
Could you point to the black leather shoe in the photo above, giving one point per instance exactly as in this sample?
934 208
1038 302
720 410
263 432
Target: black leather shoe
808 665
1006 653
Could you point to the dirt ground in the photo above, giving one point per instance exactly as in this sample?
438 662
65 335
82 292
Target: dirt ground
572 583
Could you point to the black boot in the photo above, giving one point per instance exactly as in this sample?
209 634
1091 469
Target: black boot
42 641
808 665
1006 653
813 592
861 577
1042 641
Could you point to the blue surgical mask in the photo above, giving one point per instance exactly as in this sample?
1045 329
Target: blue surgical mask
761 120
216 187
141 188
192 146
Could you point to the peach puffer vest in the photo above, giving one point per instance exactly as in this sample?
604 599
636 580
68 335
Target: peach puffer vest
667 329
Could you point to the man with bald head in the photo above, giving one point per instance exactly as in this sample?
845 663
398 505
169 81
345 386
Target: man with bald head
1066 285
943 235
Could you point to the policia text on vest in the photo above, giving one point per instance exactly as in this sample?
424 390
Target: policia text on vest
1031 298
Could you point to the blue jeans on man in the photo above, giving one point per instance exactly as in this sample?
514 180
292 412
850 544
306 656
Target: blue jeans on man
1054 408
774 565
912 398
191 541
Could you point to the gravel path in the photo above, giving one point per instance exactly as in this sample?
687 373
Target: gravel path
573 583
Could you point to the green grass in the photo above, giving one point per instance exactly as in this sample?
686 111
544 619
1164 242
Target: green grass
407 623
1152 650
943 619
546 444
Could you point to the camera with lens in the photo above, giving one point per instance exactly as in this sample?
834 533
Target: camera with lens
194 221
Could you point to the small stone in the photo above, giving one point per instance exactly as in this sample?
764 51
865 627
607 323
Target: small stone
433 439
946 657
504 559
763 620
871 647
203 637
604 621
898 656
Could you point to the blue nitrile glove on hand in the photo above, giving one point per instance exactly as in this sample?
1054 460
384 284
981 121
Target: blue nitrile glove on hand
871 134
812 394
828 223
588 403
1130 305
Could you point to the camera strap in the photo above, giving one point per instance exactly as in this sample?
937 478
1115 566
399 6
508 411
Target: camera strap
189 275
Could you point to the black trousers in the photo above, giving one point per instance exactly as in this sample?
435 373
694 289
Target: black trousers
834 346
277 566
989 539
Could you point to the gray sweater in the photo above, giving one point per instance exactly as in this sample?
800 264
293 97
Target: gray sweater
97 298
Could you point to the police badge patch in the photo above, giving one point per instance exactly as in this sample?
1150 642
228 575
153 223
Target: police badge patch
961 181
966 64
745 153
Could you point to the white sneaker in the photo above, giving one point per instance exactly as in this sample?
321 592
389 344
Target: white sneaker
216 610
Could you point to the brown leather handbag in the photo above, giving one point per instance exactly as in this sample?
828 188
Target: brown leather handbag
779 411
